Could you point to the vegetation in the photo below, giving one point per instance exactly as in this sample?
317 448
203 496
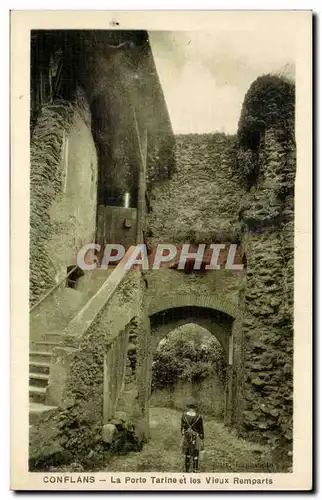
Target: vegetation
224 451
187 356
268 104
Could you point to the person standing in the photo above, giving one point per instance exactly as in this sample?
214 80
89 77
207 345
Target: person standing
193 436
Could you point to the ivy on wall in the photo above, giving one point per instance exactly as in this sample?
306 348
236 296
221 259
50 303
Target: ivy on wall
269 104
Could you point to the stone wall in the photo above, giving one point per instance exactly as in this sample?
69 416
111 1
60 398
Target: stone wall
99 360
83 376
220 286
63 172
224 189
265 336
201 201
121 101
209 396
199 204
242 189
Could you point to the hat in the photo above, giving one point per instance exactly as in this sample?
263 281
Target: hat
191 404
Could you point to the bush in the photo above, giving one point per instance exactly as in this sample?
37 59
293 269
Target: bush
268 104
187 356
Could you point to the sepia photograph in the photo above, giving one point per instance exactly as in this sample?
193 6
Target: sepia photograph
162 175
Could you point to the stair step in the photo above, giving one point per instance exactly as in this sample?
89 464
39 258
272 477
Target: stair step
47 342
54 337
38 379
36 410
37 394
41 376
40 356
38 407
40 353
39 367
44 346
38 390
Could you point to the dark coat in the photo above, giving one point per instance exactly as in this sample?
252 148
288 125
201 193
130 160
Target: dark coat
192 430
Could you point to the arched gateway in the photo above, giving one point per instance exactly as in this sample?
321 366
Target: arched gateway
217 323
169 312
213 313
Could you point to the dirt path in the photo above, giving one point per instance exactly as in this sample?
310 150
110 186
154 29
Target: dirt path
223 450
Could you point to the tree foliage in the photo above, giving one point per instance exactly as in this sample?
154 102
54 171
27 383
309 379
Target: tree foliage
188 356
268 104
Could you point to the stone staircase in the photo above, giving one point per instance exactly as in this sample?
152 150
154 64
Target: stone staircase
39 367
40 352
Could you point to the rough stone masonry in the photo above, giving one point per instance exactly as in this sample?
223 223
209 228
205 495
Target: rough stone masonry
241 188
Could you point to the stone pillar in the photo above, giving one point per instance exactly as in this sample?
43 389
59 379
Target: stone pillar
229 382
237 371
108 386
144 365
267 315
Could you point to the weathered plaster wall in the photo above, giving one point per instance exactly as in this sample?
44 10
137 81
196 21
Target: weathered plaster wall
125 107
101 358
63 172
60 307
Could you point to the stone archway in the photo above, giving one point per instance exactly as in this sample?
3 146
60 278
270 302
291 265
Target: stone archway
175 300
165 312
216 322
197 363
211 313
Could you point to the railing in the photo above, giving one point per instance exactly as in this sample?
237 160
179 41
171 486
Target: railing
81 322
114 373
52 290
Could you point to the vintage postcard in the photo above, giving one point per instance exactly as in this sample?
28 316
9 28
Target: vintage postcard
161 250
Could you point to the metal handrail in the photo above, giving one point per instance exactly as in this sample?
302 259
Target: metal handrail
52 289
